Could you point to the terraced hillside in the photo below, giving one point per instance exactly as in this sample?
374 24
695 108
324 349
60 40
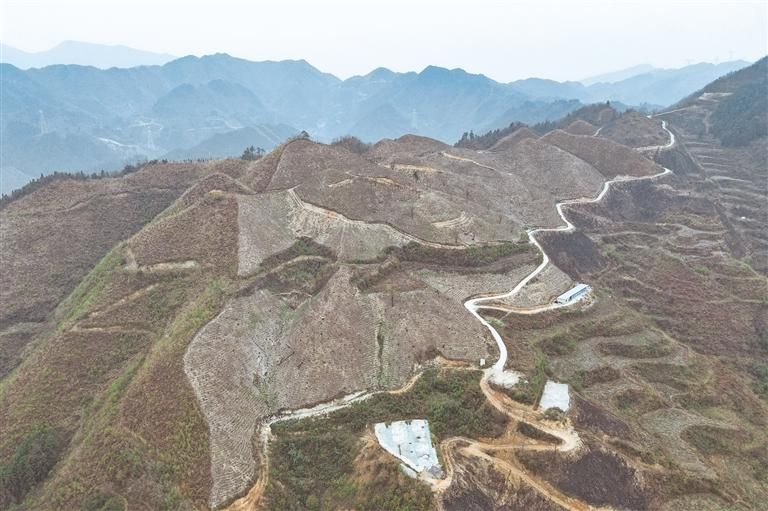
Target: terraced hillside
734 173
225 335
669 364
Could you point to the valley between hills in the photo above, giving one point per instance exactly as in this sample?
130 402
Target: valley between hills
224 334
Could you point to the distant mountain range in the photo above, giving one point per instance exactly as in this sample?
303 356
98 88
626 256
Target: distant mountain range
84 54
650 86
77 118
617 76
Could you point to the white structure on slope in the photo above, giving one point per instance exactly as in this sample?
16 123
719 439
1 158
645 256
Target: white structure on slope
555 396
576 293
411 442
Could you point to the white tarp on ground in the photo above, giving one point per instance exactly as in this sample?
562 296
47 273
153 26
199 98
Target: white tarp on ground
506 379
555 396
411 442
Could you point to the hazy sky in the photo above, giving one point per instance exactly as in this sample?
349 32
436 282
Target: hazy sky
504 40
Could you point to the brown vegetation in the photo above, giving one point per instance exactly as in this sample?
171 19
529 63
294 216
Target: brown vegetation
610 158
267 285
634 129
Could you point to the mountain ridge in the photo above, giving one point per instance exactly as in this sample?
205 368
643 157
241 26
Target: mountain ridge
61 113
103 56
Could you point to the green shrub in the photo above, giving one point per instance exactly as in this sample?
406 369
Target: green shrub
554 414
303 246
740 118
558 345
472 256
535 433
352 144
29 465
313 458
434 396
529 390
307 276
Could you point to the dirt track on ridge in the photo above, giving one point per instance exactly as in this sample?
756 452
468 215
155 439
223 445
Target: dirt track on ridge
569 439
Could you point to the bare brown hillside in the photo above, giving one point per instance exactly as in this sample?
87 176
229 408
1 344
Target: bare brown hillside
158 319
669 364
108 382
634 129
610 158
115 376
581 127
510 140
53 237
735 176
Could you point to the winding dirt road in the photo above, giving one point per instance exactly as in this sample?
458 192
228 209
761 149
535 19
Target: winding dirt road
662 146
569 439
474 304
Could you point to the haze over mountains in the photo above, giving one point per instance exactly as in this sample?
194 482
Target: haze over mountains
617 76
84 54
77 118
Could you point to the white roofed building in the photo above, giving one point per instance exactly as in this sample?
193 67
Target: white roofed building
578 292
